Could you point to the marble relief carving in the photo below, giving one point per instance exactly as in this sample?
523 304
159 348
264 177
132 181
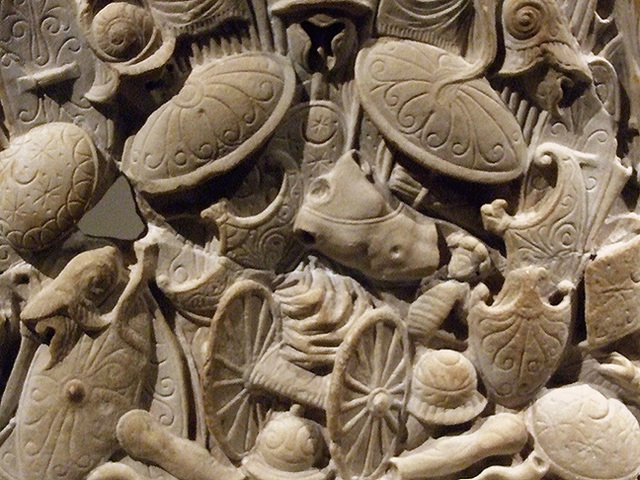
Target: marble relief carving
379 239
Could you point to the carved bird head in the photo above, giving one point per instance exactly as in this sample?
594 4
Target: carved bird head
77 300
542 52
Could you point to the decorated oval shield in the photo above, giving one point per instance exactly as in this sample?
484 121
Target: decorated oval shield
459 128
66 424
48 181
225 111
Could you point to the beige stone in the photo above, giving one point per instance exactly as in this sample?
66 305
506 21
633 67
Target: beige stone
368 239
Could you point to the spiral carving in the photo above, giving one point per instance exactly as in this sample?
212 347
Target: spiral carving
123 31
464 130
236 108
524 18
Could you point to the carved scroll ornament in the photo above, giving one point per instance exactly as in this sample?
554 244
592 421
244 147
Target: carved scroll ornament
380 239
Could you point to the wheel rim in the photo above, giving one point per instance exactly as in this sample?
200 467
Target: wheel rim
366 410
242 330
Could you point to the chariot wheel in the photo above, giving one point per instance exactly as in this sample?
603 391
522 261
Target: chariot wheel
368 393
244 326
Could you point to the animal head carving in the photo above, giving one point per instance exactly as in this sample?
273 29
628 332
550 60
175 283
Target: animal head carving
347 217
539 44
77 300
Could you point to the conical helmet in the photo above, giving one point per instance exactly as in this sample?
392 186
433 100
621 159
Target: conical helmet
444 389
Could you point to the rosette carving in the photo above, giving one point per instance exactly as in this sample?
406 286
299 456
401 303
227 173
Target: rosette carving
66 421
48 181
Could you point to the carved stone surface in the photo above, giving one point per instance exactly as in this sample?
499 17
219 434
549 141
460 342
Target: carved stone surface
365 239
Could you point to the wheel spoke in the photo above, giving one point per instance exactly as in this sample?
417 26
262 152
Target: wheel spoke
257 344
356 402
388 433
364 355
378 452
228 383
263 340
378 354
391 355
391 421
240 422
354 420
226 331
253 427
371 444
261 411
355 448
237 369
399 370
225 408
397 389
248 318
356 385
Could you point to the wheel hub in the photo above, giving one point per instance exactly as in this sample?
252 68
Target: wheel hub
379 401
